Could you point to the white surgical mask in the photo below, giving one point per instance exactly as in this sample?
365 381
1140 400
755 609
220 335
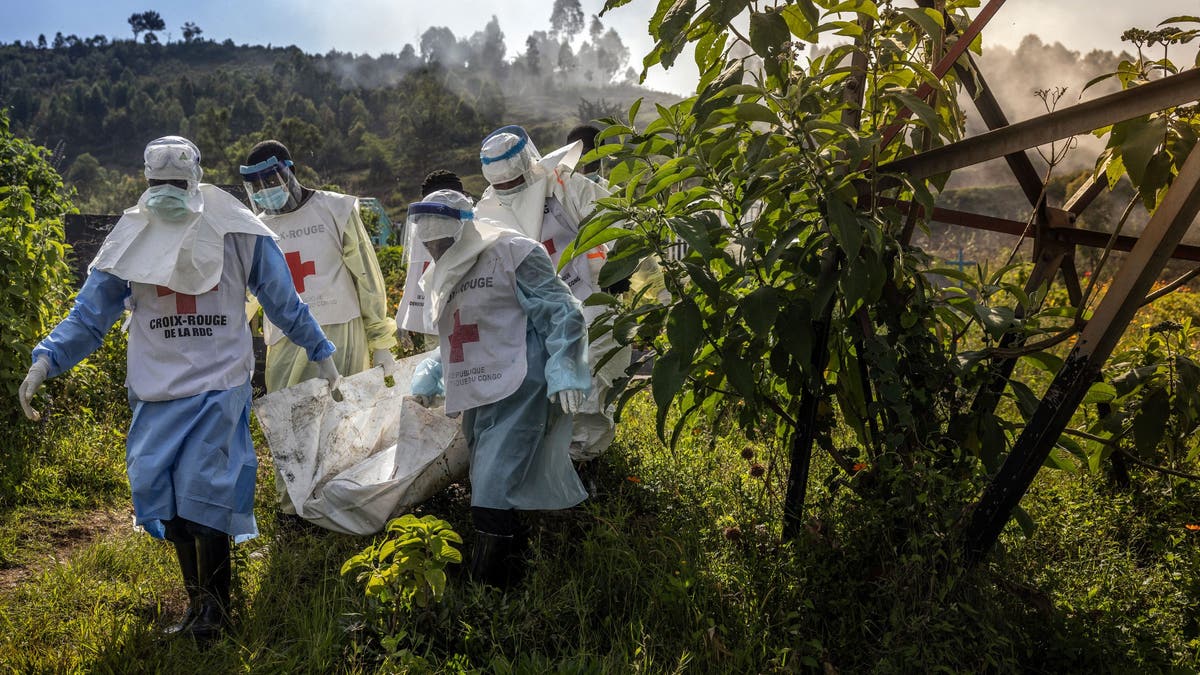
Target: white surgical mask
168 202
272 198
509 195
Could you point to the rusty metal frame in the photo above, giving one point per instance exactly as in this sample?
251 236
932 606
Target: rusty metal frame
1133 280
1055 241
1078 119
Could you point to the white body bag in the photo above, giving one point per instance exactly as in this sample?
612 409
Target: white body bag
352 465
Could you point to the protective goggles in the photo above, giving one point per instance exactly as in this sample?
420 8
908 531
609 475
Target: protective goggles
523 140
171 161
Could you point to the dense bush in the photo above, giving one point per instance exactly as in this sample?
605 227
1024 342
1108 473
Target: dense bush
33 258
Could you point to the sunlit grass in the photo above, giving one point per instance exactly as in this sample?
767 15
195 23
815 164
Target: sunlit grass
677 567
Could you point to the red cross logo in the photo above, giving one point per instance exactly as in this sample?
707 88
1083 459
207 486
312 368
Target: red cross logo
461 335
299 269
549 246
184 303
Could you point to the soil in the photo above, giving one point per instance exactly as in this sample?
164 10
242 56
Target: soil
58 540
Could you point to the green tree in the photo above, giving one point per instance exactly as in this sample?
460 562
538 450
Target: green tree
566 19
191 31
438 45
146 22
796 309
32 205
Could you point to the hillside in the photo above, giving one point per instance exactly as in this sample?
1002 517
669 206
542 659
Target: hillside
372 126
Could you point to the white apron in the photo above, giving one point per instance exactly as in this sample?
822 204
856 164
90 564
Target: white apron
483 329
311 240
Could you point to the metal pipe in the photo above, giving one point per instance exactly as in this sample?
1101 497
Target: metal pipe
1082 118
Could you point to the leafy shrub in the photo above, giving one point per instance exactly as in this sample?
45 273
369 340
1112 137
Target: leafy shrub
392 264
32 258
405 570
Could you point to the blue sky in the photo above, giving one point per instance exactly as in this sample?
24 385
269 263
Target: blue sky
379 26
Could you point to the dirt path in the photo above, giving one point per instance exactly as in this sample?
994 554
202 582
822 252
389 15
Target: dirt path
58 540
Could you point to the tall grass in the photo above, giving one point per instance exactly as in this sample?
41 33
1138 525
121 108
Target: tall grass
676 567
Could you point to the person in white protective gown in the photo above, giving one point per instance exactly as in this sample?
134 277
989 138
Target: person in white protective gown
410 314
333 267
544 199
513 359
181 261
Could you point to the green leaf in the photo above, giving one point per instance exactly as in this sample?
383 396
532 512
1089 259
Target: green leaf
677 15
626 255
760 309
1184 18
685 328
1100 392
436 579
594 239
756 112
599 298
996 320
1127 382
633 111
843 224
921 109
665 381
929 20
1150 422
1045 361
1142 139
695 231
1028 527
768 33
1027 401
739 373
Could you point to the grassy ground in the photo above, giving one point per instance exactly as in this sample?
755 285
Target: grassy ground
677 567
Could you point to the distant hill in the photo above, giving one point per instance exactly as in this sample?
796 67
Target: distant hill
373 126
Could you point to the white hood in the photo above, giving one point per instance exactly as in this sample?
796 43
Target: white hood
186 257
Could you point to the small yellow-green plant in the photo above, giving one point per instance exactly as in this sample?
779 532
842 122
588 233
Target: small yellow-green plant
409 565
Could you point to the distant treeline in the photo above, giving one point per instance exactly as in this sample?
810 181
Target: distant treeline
374 125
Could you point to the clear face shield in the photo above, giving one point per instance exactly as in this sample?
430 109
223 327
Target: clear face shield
271 186
435 226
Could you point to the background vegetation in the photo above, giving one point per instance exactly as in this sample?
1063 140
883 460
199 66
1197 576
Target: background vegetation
679 564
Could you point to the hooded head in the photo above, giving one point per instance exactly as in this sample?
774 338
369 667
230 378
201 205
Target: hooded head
173 158
509 159
586 133
174 173
437 221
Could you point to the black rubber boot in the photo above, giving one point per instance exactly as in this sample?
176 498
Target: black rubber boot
490 559
498 558
212 550
185 552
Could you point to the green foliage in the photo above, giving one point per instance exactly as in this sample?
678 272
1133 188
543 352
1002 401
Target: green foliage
1148 403
760 174
33 256
1150 149
406 569
795 285
677 567
393 264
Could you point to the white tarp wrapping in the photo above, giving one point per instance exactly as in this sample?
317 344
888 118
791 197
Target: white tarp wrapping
351 465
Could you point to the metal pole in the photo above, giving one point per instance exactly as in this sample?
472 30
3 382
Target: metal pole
1082 118
1136 276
